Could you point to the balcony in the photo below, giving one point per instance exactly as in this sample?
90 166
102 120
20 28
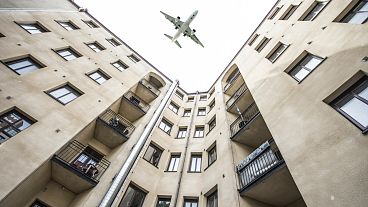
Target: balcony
263 176
112 129
132 107
233 84
240 100
146 91
250 128
78 167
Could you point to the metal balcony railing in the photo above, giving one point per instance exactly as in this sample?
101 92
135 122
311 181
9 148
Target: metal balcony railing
150 87
232 80
136 101
260 162
82 161
117 123
244 119
236 95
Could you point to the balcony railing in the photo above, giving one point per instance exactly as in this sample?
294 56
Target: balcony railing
136 101
228 84
236 95
149 86
259 163
117 123
75 157
244 119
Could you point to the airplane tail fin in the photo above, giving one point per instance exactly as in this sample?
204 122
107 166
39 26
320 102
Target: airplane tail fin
176 42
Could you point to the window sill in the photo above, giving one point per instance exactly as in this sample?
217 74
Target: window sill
193 172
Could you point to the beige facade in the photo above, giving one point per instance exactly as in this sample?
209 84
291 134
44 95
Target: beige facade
86 121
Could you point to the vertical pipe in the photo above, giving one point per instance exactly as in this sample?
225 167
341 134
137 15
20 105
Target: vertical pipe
128 164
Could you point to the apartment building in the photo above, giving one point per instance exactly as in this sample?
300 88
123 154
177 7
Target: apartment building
87 121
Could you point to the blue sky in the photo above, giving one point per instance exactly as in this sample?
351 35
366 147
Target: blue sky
222 26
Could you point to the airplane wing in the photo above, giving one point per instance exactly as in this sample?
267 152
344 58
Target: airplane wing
190 33
177 23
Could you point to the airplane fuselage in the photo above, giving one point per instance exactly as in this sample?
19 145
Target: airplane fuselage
184 26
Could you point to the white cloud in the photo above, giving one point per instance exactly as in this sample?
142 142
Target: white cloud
222 26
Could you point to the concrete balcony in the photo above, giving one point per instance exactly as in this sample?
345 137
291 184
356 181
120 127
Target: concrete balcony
112 129
264 176
231 86
146 91
78 167
250 128
240 100
132 107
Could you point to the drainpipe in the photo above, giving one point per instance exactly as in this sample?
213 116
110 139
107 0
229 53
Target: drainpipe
185 154
128 164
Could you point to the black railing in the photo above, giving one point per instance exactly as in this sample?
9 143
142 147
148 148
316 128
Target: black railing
136 101
236 95
82 161
244 119
150 87
259 163
232 80
117 122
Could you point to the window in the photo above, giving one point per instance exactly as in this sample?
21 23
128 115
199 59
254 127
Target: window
165 126
33 28
11 123
315 9
190 203
89 157
99 76
68 53
64 94
187 112
153 154
68 25
190 98
212 123
133 197
38 203
212 200
212 155
113 42
134 58
199 131
290 11
211 92
274 12
174 163
120 65
163 202
91 24
173 107
305 67
195 163
182 133
254 38
262 44
212 104
359 14
353 104
180 95
201 112
277 52
95 46
24 65
203 98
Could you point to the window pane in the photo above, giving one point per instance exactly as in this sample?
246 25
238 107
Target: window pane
364 93
312 62
357 110
358 18
68 98
59 92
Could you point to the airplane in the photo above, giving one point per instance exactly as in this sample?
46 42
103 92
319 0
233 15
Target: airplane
183 28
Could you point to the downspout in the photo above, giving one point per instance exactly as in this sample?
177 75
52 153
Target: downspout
128 164
185 154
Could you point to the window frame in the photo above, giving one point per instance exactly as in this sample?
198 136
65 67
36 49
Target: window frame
71 51
304 56
22 117
19 59
102 75
262 44
201 110
196 157
289 12
203 98
352 11
38 26
38 202
134 58
185 132
185 114
254 38
201 134
73 25
212 195
173 107
210 128
136 189
274 12
89 23
122 64
212 105
96 44
176 163
351 91
190 99
68 85
155 149
167 124
311 8
113 42
159 198
210 150
274 50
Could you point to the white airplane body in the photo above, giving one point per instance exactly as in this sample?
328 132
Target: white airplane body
183 28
